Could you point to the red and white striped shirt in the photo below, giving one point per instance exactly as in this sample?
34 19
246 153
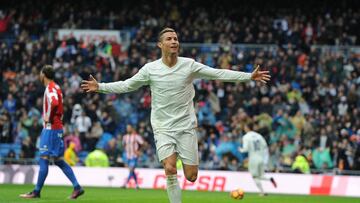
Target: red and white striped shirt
132 144
53 106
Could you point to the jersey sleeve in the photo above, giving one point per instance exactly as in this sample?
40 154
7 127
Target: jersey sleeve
245 144
205 72
53 99
139 139
140 79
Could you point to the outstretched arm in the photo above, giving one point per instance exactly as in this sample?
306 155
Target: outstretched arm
90 85
262 76
139 79
206 72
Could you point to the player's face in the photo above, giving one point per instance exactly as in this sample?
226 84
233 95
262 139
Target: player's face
169 43
41 77
129 129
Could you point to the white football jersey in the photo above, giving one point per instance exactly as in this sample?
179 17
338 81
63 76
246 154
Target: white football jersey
255 145
172 90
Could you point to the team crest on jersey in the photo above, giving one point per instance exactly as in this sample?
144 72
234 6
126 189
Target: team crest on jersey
44 148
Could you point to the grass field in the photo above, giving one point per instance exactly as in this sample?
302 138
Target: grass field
10 193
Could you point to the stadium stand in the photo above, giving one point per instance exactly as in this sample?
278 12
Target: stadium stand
310 108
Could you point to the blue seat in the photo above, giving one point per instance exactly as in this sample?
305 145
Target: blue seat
82 155
5 148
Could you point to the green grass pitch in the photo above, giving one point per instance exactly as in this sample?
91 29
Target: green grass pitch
10 193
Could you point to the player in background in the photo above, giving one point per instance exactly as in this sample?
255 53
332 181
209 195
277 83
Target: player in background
255 145
51 142
132 142
173 115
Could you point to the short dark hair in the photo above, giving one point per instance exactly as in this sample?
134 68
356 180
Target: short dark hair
163 31
250 125
48 71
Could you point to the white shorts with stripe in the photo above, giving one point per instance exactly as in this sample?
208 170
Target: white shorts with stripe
257 168
184 143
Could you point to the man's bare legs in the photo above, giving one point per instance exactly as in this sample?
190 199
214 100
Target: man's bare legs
190 172
173 188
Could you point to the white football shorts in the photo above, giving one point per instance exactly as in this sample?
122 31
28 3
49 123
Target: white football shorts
184 143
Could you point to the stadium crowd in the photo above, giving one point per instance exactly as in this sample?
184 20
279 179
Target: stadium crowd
308 113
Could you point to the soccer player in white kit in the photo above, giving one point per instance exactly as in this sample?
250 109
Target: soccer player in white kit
256 146
173 115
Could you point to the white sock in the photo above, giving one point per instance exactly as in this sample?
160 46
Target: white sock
258 184
173 189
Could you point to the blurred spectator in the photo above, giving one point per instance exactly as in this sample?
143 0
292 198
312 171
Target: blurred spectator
343 160
6 129
27 148
93 136
311 102
357 157
300 165
107 123
76 112
323 141
97 158
72 138
83 126
10 104
10 158
4 20
322 159
226 146
70 155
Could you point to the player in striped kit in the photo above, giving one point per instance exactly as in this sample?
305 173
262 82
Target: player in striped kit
51 142
173 115
132 143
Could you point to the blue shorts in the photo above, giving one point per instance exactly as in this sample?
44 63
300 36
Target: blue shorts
132 163
51 143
